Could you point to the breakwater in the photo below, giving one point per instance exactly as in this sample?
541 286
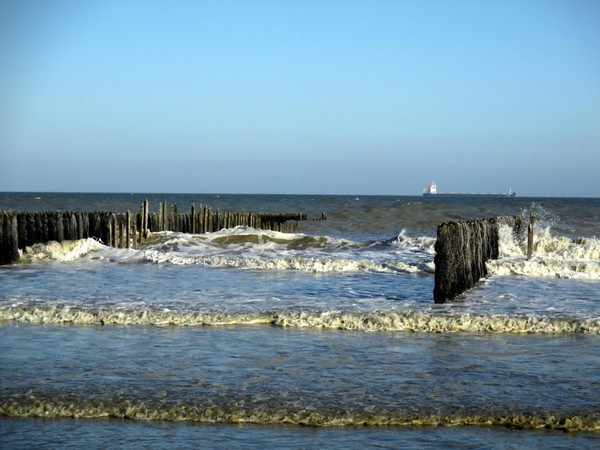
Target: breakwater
20 229
462 248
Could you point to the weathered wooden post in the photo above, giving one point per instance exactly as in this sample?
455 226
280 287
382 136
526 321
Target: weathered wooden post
176 218
22 230
133 233
9 238
121 234
530 227
204 228
160 217
57 226
146 211
73 227
112 228
83 224
140 224
94 225
31 228
128 229
193 220
171 224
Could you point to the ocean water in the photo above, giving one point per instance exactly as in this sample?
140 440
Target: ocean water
327 337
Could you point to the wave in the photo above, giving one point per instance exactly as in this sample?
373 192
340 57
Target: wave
553 256
247 236
415 244
304 264
378 321
545 244
238 248
249 248
244 237
65 251
240 413
539 267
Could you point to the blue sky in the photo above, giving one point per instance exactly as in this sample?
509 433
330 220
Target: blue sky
300 97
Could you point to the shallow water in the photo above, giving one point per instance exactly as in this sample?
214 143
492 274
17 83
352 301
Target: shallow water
245 334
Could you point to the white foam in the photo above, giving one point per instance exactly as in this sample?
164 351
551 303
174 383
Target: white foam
65 251
553 256
415 244
249 248
545 267
437 323
583 249
243 236
314 265
377 321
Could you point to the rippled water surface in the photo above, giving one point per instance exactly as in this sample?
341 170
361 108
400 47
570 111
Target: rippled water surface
326 337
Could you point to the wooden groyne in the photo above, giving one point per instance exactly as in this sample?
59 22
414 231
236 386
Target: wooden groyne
462 248
21 229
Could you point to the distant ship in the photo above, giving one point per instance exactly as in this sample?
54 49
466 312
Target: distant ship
431 189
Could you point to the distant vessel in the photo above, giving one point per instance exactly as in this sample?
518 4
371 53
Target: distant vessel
431 189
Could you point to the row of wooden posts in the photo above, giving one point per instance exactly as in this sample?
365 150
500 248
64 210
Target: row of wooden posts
206 220
22 229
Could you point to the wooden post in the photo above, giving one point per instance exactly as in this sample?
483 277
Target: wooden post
141 223
94 225
121 234
9 238
30 228
146 208
160 217
532 219
133 233
22 229
73 227
128 229
193 220
84 225
110 228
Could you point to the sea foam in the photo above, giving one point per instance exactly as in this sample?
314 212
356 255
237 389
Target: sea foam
241 413
378 321
553 256
65 251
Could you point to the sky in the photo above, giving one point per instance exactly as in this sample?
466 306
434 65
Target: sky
300 96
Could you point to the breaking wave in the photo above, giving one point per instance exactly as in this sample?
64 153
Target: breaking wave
419 322
243 236
305 264
240 413
65 251
553 256
238 248
252 249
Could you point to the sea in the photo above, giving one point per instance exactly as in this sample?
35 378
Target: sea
325 337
